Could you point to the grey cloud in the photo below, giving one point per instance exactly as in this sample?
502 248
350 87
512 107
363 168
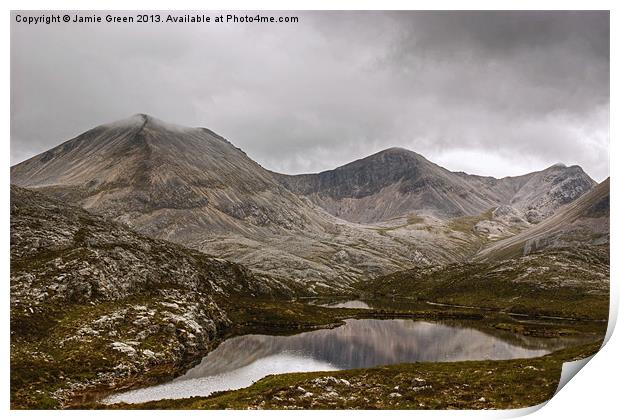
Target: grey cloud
514 91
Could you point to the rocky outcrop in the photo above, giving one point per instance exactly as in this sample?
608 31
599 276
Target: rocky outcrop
80 257
86 287
548 190
504 221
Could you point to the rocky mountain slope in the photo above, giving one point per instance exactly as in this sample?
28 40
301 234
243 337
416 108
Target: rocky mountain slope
87 293
186 185
144 171
584 221
397 182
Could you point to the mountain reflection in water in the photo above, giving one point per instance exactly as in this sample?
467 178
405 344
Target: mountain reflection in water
239 361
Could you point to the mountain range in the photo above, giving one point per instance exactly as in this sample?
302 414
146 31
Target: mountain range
387 212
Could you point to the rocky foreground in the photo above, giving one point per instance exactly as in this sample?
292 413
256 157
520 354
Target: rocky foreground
93 303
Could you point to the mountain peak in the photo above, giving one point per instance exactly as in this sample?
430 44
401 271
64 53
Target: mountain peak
568 169
396 157
397 151
141 164
132 120
142 120
558 165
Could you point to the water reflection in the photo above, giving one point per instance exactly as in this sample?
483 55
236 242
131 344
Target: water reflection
239 361
349 304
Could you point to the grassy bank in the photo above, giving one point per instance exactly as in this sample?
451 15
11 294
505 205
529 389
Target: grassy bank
551 283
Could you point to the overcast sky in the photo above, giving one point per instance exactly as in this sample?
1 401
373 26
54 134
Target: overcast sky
489 93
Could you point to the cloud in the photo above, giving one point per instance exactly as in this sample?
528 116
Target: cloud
494 93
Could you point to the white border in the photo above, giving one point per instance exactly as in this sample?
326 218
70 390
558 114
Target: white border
592 393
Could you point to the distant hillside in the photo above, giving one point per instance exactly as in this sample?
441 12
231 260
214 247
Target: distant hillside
552 282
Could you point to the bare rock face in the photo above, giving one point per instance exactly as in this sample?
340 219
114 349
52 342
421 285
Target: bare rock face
550 189
492 229
72 255
508 214
504 221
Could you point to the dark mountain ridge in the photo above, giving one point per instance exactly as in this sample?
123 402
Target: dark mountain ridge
396 181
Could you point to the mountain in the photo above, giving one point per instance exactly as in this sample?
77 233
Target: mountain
396 182
147 172
186 185
313 233
583 222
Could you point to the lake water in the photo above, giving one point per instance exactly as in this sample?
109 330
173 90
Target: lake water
350 304
240 361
